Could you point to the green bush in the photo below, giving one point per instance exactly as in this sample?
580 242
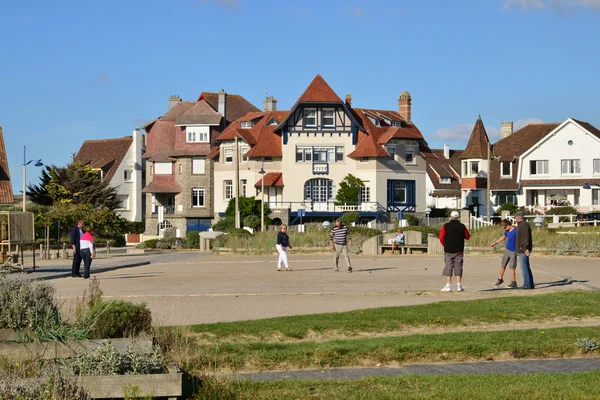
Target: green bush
54 387
425 230
349 217
163 245
362 231
117 241
148 244
193 239
252 221
566 210
411 219
225 224
507 207
239 232
117 319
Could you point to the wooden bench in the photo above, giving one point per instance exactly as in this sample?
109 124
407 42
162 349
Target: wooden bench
412 241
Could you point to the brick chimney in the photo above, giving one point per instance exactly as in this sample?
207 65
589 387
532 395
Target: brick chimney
506 129
222 103
447 151
404 105
349 99
270 104
174 100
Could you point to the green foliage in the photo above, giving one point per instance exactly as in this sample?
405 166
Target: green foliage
107 360
57 386
566 210
116 319
411 219
193 239
587 345
252 221
362 231
507 207
349 189
248 206
225 224
163 244
134 227
425 231
239 232
148 244
349 217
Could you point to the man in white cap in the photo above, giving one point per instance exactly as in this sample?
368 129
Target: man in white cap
452 237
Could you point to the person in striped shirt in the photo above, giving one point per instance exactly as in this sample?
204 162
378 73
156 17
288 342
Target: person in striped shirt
339 240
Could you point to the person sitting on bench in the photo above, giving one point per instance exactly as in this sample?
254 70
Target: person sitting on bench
398 240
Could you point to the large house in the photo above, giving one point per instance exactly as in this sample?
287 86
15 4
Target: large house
307 151
119 161
539 166
179 174
6 192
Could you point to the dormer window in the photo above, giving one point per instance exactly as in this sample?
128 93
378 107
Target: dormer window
247 125
445 180
328 118
397 124
197 134
310 117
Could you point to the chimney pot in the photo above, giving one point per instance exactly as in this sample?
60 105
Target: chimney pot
222 103
349 99
173 100
506 129
447 151
405 106
270 104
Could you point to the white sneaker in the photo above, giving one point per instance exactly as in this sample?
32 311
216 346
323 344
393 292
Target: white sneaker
446 288
459 288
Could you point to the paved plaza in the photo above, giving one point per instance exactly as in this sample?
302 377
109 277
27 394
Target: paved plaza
190 288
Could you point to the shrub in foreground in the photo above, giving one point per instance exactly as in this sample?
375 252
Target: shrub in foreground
117 319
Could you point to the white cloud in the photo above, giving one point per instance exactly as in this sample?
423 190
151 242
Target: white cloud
224 3
524 122
562 6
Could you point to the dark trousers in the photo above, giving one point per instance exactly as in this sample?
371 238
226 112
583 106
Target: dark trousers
86 255
76 263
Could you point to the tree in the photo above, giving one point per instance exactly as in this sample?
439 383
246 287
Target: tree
74 183
248 206
349 190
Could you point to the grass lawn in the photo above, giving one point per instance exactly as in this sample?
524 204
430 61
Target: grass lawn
495 386
572 304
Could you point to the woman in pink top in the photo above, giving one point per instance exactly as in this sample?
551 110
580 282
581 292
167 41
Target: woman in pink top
86 242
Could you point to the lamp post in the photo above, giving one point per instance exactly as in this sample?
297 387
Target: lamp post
427 212
538 222
38 163
262 195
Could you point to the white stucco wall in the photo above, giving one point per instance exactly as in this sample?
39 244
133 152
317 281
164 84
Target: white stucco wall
133 187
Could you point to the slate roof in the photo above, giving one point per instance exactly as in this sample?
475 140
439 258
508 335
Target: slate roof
439 166
6 193
272 179
104 154
479 142
591 128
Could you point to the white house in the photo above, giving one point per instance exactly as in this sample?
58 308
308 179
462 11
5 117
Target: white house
443 178
120 162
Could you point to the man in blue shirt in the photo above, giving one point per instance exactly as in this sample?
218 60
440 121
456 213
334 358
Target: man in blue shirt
509 259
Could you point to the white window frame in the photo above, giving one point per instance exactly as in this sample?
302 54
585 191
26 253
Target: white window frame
391 149
228 189
228 153
339 151
127 175
123 204
304 151
445 180
596 197
243 187
365 194
198 165
471 165
570 167
161 167
307 114
197 134
502 174
243 151
412 153
543 165
332 117
596 166
247 125
198 193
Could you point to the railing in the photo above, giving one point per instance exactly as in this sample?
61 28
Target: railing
478 223
334 206
320 168
167 210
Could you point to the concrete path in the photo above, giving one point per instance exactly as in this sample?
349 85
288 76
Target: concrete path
476 368
190 288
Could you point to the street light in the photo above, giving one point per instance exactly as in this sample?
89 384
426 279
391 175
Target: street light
538 221
38 163
427 212
262 195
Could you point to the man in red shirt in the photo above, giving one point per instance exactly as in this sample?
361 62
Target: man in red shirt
452 237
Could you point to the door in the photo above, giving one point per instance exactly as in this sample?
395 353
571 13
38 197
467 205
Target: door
272 197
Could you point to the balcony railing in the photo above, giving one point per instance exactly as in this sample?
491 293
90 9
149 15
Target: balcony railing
167 210
333 206
320 168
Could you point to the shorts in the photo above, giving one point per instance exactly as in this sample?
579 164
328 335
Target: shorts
509 259
454 264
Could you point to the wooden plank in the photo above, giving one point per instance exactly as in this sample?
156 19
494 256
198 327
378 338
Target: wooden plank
8 334
52 350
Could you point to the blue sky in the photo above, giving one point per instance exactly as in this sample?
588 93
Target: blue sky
76 70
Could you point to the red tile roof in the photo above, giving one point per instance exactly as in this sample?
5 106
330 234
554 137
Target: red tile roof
162 184
6 193
236 106
319 92
478 144
104 154
272 179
